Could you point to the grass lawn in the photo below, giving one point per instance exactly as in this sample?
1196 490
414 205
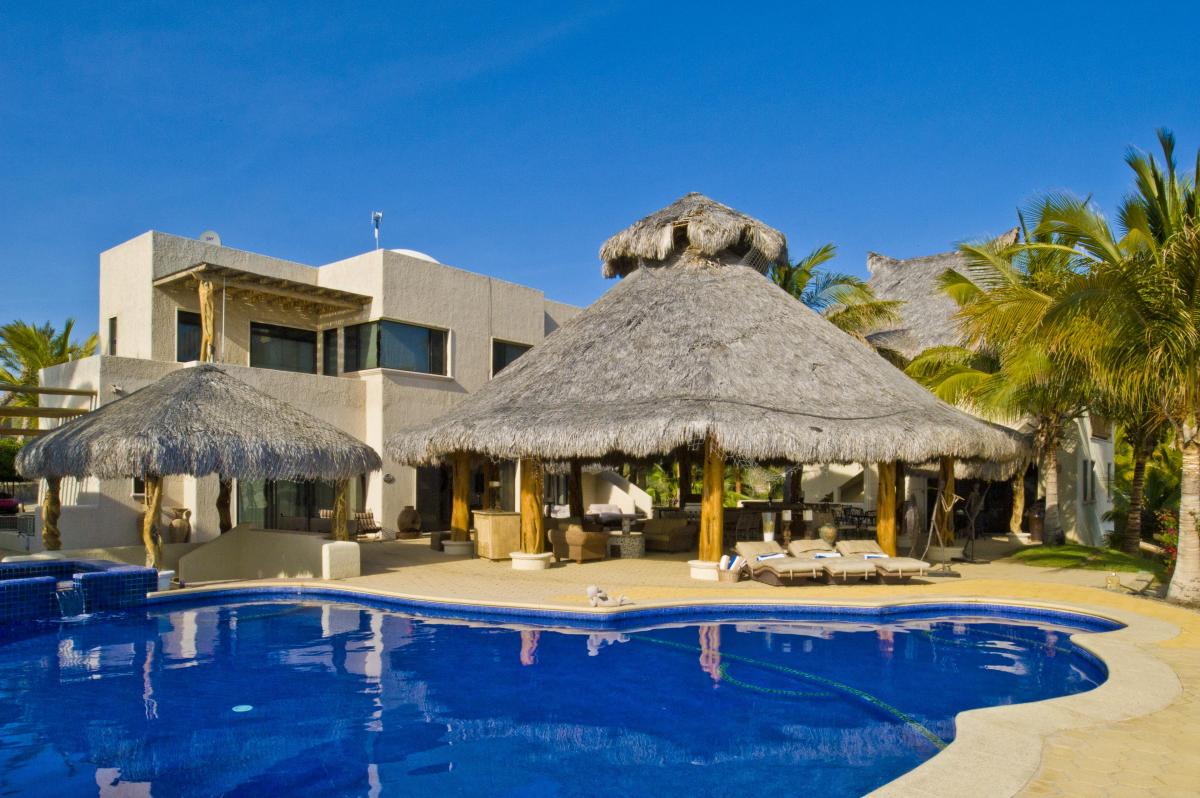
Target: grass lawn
1073 555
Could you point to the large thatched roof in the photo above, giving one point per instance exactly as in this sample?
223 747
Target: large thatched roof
927 315
694 346
198 421
703 225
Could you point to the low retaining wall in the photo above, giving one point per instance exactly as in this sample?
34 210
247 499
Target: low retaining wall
130 555
248 553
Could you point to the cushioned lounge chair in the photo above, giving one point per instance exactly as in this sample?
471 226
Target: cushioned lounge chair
777 570
899 567
843 568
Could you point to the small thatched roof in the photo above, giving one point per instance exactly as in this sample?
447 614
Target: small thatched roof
698 345
927 313
198 421
704 226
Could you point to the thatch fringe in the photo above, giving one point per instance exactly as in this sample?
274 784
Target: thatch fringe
198 421
700 224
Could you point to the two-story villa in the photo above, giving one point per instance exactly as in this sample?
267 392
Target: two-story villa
370 343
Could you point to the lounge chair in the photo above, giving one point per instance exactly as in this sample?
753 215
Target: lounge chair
843 568
776 570
869 550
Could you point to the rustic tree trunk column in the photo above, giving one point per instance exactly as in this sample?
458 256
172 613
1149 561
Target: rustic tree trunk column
150 535
533 523
224 492
341 511
460 509
51 512
712 502
575 490
207 321
1018 503
885 509
945 507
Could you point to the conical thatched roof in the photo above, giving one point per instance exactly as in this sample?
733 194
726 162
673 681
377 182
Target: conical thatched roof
701 346
198 421
700 224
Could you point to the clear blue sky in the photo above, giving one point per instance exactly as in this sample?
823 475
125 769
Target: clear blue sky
512 139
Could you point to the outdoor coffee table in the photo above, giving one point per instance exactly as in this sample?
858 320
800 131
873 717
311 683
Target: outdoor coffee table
629 545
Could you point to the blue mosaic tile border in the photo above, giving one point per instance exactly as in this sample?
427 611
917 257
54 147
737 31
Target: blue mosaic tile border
28 598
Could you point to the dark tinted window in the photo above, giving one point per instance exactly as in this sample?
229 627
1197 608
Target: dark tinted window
187 337
504 353
283 348
329 353
394 345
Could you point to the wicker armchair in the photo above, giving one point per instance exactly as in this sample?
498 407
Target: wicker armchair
670 534
570 541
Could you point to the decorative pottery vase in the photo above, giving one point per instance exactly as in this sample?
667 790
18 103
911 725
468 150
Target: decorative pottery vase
181 525
408 522
828 533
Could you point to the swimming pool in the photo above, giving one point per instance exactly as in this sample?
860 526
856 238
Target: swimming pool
261 695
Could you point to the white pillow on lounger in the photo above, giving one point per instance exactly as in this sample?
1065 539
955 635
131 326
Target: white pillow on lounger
773 556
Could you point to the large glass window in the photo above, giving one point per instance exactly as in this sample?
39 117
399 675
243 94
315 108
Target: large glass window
187 337
329 353
504 353
112 336
394 345
284 504
283 348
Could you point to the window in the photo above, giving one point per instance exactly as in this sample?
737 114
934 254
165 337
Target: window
1088 481
504 353
394 345
283 348
329 353
112 336
138 489
187 337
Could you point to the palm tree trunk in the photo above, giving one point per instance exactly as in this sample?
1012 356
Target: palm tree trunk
1052 531
1185 582
1018 503
1131 542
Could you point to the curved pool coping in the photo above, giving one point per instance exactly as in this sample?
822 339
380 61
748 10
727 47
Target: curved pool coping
996 750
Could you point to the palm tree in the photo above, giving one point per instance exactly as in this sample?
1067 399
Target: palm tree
1008 370
26 349
845 300
1148 307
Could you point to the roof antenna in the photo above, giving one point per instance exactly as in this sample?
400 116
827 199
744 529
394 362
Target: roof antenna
376 220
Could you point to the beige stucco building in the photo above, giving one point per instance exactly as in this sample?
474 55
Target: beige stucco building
371 343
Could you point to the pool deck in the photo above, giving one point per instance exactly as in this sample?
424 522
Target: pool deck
1136 734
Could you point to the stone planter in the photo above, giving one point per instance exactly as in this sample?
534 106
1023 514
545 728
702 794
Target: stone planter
704 570
530 562
940 554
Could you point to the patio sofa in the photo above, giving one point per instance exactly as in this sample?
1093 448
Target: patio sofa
670 534
571 540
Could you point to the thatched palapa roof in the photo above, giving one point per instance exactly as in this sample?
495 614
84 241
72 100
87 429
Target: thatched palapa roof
927 315
198 421
695 343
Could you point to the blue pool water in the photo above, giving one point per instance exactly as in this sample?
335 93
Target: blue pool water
263 696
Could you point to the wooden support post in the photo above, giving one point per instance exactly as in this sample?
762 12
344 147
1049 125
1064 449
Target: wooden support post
712 502
341 510
533 521
945 507
685 477
575 490
796 485
460 508
885 509
224 493
207 321
51 512
901 496
150 534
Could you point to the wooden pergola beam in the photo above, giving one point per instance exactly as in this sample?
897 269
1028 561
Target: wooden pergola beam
36 389
19 432
41 412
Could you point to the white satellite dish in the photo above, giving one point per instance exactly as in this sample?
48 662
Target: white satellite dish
210 237
412 253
